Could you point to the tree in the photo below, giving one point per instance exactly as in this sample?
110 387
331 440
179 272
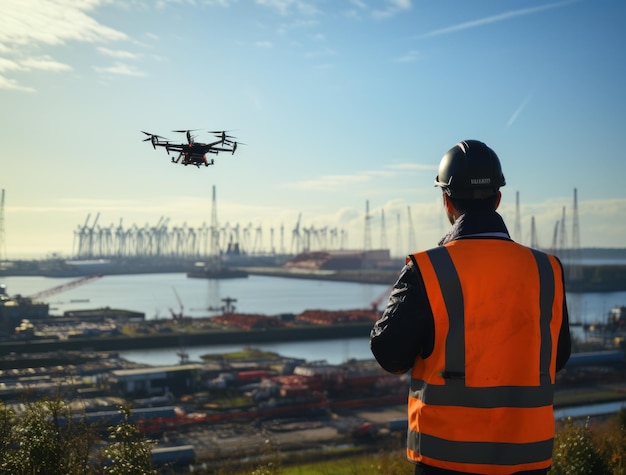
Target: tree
129 452
7 417
44 439
47 439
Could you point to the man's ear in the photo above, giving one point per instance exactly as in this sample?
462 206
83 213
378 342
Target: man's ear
447 203
498 198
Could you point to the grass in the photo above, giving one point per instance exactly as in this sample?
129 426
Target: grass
247 354
379 463
375 461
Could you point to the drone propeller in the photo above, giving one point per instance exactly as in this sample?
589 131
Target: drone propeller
232 142
151 135
153 138
235 145
222 134
188 132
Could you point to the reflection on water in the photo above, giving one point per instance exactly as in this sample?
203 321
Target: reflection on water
331 351
156 294
592 410
590 308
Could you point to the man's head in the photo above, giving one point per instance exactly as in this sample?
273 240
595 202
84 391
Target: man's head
470 176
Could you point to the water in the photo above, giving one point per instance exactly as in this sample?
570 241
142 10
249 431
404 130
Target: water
157 295
331 351
590 410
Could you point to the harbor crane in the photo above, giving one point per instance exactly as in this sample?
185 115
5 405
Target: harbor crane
178 317
376 303
63 287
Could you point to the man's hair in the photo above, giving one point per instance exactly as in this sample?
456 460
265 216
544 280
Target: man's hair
473 205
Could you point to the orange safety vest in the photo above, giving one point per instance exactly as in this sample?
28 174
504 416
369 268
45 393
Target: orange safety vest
482 401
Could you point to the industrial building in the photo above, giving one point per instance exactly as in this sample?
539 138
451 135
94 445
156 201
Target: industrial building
156 381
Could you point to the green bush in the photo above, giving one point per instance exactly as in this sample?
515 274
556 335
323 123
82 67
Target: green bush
575 453
128 453
45 439
610 439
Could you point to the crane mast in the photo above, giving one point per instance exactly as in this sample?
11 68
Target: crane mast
63 287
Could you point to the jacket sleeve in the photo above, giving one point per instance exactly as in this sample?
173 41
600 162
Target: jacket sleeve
405 330
564 345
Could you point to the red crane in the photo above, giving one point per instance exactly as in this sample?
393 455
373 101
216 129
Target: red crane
376 303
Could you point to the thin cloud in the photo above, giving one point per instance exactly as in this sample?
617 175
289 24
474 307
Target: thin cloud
341 182
393 7
355 13
32 23
413 167
120 69
497 18
220 3
13 85
379 173
286 7
359 4
119 54
389 9
42 63
45 63
26 25
9 65
409 57
321 53
518 111
330 182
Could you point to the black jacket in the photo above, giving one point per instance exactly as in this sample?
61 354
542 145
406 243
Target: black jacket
405 330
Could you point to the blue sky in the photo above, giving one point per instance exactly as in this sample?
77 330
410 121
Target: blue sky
339 103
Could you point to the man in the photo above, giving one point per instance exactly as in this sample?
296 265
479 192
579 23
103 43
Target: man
482 324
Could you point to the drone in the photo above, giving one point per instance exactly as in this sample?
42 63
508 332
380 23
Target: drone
192 152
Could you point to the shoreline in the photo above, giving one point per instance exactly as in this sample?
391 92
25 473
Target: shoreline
200 338
589 278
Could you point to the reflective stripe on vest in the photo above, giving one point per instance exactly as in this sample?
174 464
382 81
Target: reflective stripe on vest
491 453
489 456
